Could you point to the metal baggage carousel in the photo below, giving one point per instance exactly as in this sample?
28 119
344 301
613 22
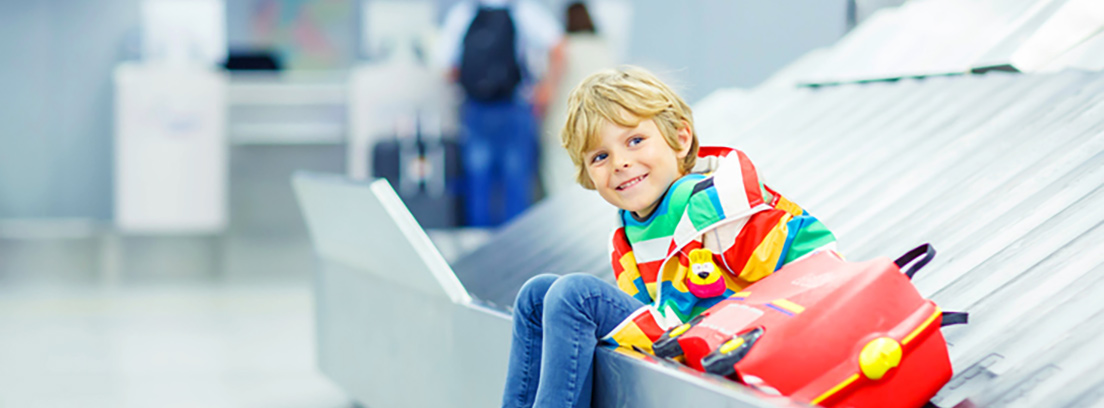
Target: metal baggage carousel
1003 173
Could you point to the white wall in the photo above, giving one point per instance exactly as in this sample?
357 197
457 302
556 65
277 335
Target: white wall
56 104
710 44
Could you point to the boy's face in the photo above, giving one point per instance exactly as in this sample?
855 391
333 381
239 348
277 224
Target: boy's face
632 167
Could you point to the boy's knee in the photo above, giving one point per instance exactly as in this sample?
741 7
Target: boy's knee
534 290
571 287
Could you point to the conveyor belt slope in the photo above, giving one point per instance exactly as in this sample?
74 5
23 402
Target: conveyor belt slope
1003 173
939 37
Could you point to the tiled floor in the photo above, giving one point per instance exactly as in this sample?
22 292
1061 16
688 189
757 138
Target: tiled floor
94 320
198 346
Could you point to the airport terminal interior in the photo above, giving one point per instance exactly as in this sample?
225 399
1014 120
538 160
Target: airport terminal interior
268 203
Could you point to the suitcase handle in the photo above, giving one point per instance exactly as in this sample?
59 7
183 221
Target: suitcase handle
951 318
928 252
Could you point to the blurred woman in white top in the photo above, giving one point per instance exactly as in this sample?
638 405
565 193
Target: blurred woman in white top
584 52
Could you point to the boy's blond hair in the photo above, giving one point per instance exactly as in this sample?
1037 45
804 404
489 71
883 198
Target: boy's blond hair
606 96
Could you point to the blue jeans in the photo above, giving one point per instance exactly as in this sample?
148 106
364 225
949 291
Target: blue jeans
499 148
557 324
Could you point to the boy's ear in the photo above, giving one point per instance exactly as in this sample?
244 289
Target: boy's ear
684 135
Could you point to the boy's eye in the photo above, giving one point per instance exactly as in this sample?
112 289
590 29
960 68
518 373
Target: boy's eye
635 141
598 157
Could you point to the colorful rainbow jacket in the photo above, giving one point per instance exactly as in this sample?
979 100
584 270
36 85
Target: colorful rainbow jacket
722 206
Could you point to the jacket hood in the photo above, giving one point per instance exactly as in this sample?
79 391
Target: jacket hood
709 158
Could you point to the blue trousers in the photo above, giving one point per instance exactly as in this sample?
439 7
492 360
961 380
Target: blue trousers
499 149
557 324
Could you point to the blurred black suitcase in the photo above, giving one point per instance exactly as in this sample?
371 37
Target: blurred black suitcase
423 166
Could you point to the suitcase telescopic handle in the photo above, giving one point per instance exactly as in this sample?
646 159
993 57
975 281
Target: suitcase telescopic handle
926 251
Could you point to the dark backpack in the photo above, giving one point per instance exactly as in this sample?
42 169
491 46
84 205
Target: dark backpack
489 68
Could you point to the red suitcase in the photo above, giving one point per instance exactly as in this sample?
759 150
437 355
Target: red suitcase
828 332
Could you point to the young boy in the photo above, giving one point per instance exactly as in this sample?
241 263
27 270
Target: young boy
684 209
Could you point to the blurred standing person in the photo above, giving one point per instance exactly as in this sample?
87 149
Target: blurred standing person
488 46
584 53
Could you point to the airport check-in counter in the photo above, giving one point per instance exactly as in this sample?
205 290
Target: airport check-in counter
1002 173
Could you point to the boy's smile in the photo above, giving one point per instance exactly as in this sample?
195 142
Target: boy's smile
632 167
632 182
